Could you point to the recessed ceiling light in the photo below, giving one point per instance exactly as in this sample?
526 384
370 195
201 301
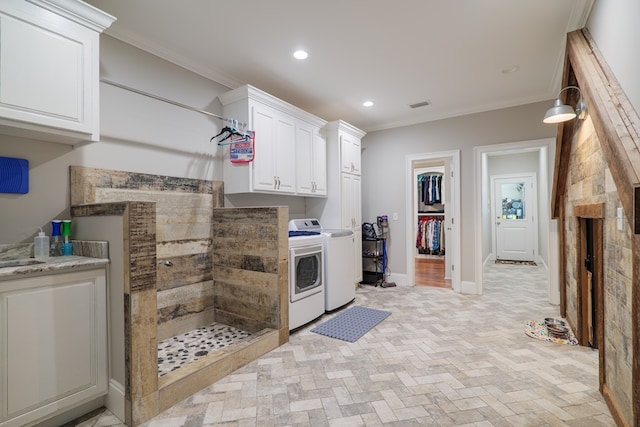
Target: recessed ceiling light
510 70
300 54
367 104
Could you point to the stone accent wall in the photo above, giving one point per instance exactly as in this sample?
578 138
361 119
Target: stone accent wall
589 181
183 209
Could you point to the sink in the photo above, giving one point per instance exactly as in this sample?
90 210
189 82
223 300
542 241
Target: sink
19 262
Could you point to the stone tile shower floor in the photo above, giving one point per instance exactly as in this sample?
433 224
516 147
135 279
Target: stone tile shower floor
175 352
440 358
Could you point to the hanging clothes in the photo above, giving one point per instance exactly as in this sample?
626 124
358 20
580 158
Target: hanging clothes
429 190
430 238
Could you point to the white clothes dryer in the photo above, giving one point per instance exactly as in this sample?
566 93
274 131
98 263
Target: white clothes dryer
306 277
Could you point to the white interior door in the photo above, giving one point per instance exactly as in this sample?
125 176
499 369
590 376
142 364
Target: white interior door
514 206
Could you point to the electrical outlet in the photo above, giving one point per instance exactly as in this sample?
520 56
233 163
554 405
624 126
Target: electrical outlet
394 216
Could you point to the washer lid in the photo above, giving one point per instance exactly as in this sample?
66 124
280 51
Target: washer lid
337 232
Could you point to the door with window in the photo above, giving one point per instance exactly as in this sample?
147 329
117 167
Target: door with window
514 208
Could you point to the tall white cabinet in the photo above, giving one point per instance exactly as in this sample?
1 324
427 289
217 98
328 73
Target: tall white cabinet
342 209
49 69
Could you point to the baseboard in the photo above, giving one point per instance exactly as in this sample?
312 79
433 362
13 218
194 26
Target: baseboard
613 406
488 259
467 287
399 279
73 414
544 264
114 401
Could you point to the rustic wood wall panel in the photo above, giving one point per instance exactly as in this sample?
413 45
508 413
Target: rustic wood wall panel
249 251
140 303
181 236
162 302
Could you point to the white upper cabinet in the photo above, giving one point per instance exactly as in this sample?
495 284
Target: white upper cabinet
349 153
49 69
311 160
287 140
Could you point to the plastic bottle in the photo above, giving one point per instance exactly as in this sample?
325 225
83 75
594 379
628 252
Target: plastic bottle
41 245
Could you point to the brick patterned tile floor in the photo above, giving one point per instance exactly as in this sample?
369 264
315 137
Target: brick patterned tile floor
440 358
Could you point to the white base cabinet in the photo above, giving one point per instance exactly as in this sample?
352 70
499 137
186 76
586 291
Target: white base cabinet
288 144
49 69
53 343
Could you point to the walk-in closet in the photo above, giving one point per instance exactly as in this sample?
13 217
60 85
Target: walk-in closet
430 208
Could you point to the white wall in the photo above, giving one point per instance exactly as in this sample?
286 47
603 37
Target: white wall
613 24
383 158
138 134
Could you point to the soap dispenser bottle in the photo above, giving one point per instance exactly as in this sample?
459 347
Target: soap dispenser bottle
41 245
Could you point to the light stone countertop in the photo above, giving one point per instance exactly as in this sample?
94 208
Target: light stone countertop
89 254
58 264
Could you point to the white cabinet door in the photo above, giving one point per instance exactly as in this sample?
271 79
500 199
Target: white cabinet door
356 202
351 215
319 164
273 166
264 165
284 155
357 256
349 154
49 71
311 161
346 195
53 338
351 200
304 158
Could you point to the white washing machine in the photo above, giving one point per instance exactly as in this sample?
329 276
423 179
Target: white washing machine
306 275
339 269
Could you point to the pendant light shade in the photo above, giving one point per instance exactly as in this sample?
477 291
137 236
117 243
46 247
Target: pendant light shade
561 112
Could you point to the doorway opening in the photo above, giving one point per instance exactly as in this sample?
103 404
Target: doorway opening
590 267
432 205
504 159
433 209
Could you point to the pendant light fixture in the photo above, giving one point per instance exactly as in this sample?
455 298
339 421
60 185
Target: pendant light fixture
561 112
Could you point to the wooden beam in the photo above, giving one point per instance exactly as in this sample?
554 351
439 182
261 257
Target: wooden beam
613 124
595 210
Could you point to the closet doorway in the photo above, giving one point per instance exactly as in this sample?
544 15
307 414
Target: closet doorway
433 267
433 249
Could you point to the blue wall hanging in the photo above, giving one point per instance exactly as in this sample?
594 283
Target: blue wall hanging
14 175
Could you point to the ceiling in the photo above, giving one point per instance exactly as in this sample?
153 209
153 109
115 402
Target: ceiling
461 56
